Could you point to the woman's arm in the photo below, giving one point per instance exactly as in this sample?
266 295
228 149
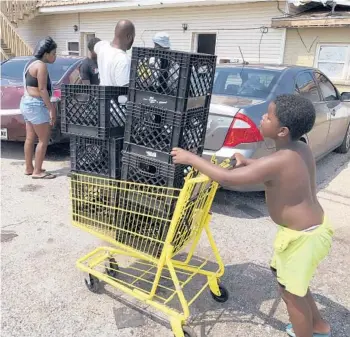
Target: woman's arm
42 84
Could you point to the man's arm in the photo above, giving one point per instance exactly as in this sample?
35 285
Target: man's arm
85 73
258 172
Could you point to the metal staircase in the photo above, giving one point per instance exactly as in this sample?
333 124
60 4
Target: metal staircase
12 13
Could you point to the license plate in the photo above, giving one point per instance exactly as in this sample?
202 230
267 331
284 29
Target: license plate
3 134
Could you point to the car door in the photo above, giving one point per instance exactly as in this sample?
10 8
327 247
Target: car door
337 110
305 86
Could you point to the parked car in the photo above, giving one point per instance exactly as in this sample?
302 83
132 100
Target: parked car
64 70
241 96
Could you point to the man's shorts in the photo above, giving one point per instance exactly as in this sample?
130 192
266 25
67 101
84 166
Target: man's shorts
297 254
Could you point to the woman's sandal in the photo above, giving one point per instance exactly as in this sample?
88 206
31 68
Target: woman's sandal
290 332
29 174
46 175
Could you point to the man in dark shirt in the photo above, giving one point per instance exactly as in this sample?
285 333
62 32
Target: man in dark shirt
89 69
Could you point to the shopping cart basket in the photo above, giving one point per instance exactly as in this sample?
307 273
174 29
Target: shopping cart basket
152 225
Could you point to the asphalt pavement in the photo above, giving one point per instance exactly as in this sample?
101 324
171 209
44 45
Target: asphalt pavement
43 294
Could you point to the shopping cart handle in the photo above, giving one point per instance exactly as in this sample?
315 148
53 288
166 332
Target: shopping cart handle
229 163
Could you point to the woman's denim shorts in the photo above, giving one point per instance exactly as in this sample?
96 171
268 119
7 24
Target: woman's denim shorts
34 110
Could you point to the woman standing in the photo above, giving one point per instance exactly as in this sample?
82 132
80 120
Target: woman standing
38 112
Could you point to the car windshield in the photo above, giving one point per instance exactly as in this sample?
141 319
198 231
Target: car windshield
245 82
13 69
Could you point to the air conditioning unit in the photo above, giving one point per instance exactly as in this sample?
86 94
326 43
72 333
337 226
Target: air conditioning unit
225 60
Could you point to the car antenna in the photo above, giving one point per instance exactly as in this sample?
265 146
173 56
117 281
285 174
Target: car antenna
244 61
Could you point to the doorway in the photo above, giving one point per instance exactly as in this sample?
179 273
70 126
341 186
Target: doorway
206 43
86 37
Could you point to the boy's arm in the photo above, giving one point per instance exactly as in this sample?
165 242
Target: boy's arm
259 171
242 161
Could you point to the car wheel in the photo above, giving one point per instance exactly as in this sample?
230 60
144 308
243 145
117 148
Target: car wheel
345 146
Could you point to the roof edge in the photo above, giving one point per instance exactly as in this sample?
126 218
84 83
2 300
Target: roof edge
104 6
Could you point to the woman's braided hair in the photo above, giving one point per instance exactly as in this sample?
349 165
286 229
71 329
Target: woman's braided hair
46 45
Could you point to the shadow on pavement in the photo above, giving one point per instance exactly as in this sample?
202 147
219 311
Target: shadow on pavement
251 205
329 168
253 300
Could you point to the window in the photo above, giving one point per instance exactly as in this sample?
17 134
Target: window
206 43
85 39
327 89
74 77
334 60
73 48
245 82
306 87
13 68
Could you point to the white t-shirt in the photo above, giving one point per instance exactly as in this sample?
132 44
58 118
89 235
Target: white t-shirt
113 64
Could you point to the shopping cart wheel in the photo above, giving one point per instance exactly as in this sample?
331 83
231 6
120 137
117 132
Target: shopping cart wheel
112 269
93 284
223 297
188 332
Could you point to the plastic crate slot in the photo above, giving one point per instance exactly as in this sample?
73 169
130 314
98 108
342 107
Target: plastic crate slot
141 169
96 156
161 129
172 73
93 111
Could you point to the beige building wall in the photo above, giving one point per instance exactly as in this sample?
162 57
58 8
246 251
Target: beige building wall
301 48
235 25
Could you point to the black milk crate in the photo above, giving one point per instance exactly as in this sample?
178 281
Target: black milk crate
93 111
170 79
141 169
157 130
147 152
96 156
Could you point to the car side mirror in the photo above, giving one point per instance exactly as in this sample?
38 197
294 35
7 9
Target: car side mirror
345 96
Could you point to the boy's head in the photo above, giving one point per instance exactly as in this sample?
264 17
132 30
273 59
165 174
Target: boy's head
289 116
91 46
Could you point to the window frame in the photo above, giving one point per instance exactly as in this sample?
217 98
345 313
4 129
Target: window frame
315 82
319 87
345 78
194 40
74 52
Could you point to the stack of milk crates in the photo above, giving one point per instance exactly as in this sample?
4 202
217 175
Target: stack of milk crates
94 117
168 106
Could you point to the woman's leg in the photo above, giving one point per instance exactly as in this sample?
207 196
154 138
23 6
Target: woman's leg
43 133
29 148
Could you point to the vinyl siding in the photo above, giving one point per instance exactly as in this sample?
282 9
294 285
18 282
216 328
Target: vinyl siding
297 53
233 25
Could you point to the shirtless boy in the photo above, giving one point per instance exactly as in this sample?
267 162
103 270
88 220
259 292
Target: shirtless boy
305 235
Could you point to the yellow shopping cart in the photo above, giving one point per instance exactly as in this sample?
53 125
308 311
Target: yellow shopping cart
152 225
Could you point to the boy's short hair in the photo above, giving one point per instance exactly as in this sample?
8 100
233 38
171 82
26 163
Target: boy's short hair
92 42
296 113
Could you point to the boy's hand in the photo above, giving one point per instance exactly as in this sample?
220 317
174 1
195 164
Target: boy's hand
181 156
240 160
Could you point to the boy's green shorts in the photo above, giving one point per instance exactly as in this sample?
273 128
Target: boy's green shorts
297 254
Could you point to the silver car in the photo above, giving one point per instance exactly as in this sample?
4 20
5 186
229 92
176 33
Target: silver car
241 95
